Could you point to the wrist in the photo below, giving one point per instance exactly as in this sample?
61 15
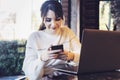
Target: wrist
43 58
70 56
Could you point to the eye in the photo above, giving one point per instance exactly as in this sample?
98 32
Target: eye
48 20
58 19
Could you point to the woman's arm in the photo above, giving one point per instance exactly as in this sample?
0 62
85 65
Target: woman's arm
72 44
36 62
75 46
32 65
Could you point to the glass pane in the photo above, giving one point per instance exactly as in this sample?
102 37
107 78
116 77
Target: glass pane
15 19
106 21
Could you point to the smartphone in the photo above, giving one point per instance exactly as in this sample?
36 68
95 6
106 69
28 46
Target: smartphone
55 47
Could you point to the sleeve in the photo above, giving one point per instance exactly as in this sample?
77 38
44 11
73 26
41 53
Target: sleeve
75 46
32 66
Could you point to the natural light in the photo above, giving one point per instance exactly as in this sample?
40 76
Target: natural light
18 18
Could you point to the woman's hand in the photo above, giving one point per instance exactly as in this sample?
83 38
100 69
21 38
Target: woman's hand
63 55
66 55
50 54
57 54
54 54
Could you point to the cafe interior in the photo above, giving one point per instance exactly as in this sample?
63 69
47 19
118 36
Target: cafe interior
80 15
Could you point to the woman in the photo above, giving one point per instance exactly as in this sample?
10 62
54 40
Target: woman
39 57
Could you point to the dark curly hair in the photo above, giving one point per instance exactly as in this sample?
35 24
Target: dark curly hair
50 5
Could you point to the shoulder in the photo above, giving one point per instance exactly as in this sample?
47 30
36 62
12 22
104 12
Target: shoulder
35 34
67 30
68 33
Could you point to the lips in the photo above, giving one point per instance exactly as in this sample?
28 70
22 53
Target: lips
54 28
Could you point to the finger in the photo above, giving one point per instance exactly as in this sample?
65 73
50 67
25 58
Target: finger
53 56
61 53
55 51
63 57
49 48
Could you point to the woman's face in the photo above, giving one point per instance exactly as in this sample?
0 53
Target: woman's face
52 23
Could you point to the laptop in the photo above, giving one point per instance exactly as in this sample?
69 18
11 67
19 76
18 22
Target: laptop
100 52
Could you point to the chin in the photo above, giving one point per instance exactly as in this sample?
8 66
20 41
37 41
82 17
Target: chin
54 31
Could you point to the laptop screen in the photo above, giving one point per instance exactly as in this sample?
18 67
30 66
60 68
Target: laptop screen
100 51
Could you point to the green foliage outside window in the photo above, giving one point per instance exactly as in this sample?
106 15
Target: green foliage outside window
11 58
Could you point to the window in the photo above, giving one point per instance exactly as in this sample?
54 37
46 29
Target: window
15 19
18 18
105 19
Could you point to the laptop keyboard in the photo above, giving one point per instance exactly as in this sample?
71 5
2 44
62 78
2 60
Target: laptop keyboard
66 68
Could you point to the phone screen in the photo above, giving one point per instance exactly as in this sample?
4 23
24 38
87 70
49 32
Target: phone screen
55 47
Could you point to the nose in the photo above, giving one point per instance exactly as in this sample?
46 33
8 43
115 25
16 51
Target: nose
53 23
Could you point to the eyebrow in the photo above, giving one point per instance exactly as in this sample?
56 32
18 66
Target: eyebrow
48 18
58 18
